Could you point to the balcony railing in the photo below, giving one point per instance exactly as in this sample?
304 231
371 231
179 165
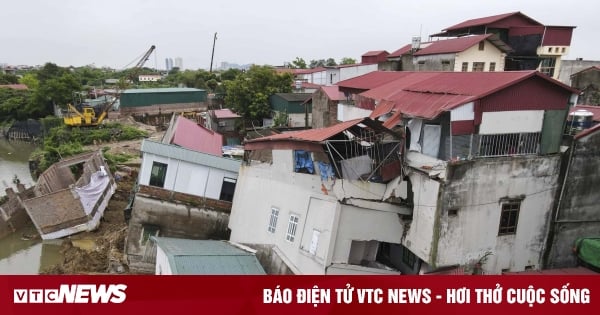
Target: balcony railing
509 144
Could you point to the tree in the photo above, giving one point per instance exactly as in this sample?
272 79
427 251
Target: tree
8 79
317 63
248 94
298 63
330 62
230 74
30 80
347 61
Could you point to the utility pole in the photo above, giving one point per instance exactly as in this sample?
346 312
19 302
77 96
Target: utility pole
213 52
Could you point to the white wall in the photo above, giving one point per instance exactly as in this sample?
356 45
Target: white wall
490 53
276 185
298 120
162 263
474 230
350 112
511 122
185 177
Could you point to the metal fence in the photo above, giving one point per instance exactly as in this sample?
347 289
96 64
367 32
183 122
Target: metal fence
509 144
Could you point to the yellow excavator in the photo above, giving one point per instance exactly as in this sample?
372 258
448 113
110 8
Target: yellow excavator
87 115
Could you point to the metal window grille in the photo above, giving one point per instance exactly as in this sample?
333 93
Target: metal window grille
273 220
509 144
509 218
292 226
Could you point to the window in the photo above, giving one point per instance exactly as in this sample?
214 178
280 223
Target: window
509 217
292 226
478 66
465 67
547 66
227 189
492 66
408 258
303 162
158 174
273 220
481 45
564 50
509 144
147 231
453 212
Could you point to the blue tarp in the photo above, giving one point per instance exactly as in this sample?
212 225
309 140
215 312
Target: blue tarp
304 163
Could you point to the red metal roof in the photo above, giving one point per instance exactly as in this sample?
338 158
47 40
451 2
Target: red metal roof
225 113
333 92
371 79
308 71
457 45
594 109
191 136
311 135
428 94
587 132
488 20
374 53
402 51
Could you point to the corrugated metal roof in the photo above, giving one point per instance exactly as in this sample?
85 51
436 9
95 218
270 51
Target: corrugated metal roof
191 156
402 51
190 135
311 135
488 20
371 80
333 93
460 44
208 257
225 113
161 90
308 71
375 53
427 94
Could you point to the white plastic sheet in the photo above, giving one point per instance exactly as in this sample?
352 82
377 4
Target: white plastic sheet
90 193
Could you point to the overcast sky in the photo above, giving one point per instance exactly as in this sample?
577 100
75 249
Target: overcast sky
115 32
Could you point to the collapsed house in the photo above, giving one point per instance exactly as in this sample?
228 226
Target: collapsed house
321 201
71 196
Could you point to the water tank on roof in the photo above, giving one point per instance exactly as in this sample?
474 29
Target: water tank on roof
578 121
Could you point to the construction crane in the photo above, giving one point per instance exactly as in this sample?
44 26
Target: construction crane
91 116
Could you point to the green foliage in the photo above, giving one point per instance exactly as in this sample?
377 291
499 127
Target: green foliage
298 63
249 93
14 104
114 159
230 74
347 61
30 80
8 79
281 119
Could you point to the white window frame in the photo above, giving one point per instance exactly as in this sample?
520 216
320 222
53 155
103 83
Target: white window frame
273 220
292 228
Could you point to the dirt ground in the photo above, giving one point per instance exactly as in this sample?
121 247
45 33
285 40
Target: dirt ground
102 251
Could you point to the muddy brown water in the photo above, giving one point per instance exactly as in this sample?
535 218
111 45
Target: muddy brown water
19 255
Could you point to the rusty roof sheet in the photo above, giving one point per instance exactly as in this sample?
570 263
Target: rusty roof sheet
190 135
312 135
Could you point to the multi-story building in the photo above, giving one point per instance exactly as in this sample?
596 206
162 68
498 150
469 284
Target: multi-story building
472 185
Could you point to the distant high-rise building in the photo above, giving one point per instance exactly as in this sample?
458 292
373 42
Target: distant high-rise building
178 63
169 64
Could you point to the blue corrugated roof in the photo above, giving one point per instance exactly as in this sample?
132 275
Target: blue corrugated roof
208 257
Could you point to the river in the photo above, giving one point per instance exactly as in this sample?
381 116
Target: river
19 256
